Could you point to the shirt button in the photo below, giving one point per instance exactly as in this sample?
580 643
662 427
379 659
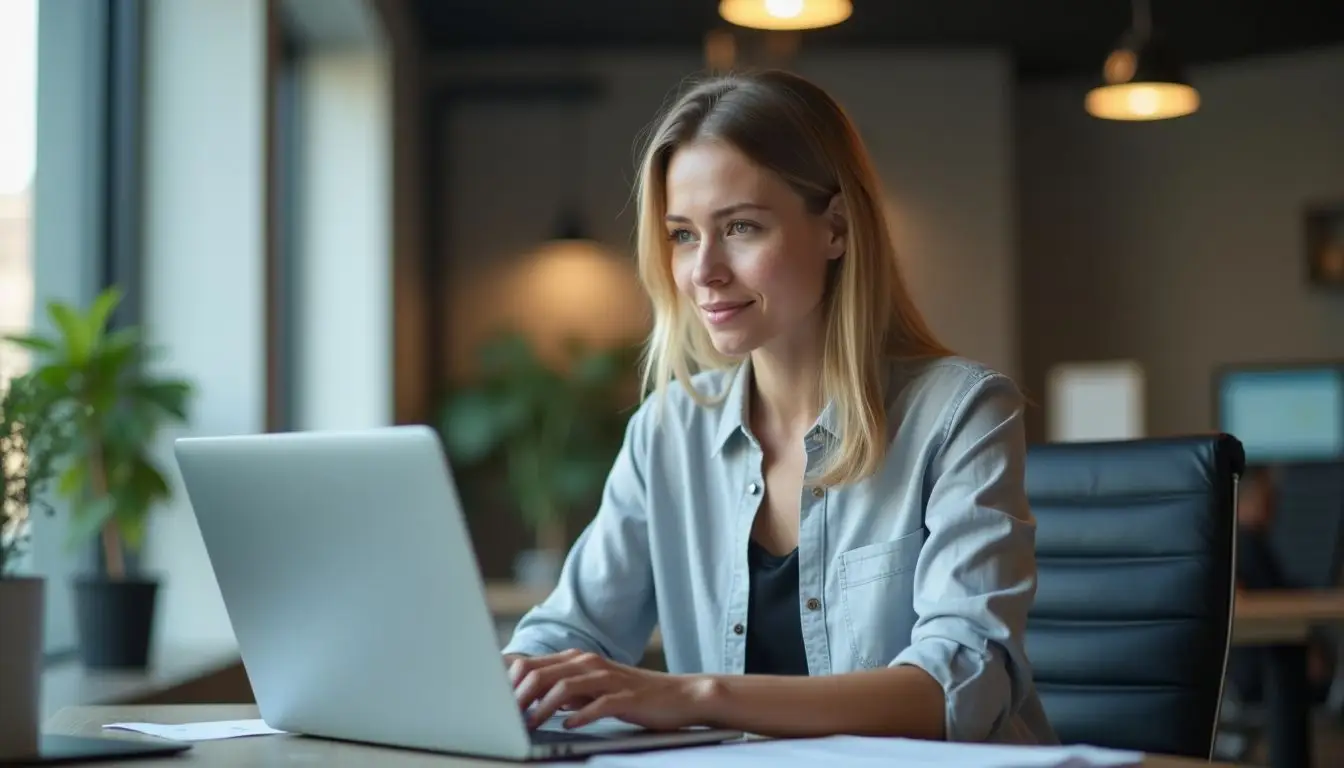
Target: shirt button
813 604
738 629
818 491
753 489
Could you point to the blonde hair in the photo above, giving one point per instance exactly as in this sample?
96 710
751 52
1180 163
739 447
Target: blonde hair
785 124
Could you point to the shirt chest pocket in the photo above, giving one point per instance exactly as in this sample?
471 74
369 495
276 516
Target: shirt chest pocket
877 598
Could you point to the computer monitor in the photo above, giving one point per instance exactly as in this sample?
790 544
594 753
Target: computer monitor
1283 413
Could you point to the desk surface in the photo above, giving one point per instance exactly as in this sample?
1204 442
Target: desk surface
291 750
1285 616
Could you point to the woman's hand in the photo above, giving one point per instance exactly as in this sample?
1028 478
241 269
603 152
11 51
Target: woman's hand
596 687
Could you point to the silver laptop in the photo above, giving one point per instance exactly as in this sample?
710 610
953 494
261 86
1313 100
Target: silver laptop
354 593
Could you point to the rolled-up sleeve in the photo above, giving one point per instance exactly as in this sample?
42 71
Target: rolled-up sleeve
976 575
604 601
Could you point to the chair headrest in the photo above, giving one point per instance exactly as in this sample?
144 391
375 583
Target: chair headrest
1149 465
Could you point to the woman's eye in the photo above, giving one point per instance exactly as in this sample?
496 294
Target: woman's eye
680 236
741 228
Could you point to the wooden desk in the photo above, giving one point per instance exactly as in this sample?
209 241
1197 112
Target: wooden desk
1285 617
294 750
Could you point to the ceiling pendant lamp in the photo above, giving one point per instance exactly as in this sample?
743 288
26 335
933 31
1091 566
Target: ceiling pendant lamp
1142 80
782 15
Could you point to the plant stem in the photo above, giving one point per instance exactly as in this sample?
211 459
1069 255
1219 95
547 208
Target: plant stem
116 565
112 557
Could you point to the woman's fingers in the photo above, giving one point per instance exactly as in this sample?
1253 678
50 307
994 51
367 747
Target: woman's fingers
520 666
537 680
578 690
614 704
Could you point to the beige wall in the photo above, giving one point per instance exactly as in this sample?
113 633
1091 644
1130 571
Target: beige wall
938 124
1180 244
1032 233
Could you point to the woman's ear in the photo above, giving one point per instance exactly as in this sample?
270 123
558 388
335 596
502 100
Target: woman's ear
838 225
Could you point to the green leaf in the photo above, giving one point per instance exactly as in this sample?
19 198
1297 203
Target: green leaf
56 377
557 426
104 304
142 485
114 355
474 425
123 339
597 370
155 398
510 353
579 480
37 344
148 480
87 519
75 334
71 482
131 528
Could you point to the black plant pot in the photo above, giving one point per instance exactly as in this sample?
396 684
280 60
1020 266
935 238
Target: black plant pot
115 621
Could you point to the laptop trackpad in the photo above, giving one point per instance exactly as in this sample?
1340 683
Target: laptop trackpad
606 728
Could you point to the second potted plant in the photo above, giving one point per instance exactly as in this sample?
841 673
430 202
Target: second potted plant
95 384
557 428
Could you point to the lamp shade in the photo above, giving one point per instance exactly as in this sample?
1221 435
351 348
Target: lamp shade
1141 80
785 14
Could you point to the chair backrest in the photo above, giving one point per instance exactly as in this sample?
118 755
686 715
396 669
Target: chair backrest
1128 637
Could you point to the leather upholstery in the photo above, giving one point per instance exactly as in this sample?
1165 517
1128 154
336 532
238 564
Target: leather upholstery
1128 635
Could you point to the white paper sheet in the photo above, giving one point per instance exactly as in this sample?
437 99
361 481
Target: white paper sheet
220 729
862 752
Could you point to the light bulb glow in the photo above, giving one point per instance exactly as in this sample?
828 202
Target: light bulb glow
784 9
780 15
1142 101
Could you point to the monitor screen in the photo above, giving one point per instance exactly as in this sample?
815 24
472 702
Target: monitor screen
1284 415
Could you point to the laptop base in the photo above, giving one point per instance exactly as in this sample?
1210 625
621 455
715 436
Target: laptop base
56 749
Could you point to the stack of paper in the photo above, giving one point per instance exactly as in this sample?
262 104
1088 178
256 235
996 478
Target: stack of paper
863 752
219 729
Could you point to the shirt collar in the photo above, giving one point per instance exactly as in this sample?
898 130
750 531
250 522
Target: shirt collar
733 412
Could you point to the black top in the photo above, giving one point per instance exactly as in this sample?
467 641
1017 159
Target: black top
774 625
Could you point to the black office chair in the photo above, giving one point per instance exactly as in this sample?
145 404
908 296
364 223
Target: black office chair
1129 634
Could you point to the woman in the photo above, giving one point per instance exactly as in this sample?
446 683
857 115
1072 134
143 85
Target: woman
818 494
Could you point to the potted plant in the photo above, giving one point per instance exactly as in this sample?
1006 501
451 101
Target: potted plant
95 384
22 474
556 426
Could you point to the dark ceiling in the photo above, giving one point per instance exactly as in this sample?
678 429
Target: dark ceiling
1045 36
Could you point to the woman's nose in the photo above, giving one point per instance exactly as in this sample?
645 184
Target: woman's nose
709 267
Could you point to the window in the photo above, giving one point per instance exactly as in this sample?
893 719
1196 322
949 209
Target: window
18 103
57 122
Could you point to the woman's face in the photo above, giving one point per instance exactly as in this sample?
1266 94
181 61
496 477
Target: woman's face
746 252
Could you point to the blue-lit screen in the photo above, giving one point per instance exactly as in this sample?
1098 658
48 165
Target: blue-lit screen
1285 415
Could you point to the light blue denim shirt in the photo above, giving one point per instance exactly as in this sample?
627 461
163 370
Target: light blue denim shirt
929 562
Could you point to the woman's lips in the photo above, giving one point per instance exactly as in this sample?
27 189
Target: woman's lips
721 312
